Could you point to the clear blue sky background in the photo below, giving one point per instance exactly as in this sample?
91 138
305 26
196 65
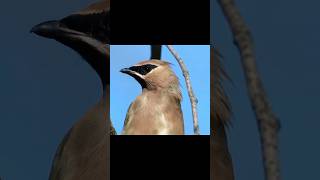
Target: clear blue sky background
286 36
124 88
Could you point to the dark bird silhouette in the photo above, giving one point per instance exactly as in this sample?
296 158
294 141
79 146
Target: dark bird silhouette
221 162
82 155
86 32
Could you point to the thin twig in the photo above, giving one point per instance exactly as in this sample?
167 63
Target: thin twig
193 99
268 124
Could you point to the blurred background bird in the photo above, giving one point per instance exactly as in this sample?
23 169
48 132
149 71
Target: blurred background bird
221 162
82 154
157 110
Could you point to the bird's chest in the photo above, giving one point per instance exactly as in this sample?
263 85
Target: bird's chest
149 116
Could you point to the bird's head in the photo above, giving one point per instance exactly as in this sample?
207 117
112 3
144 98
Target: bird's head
86 31
83 31
154 75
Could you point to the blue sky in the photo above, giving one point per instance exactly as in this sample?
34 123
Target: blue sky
124 88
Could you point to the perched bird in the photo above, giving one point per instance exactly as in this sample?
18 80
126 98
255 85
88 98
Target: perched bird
157 110
82 154
221 162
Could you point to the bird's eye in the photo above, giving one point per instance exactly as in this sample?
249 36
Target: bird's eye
144 69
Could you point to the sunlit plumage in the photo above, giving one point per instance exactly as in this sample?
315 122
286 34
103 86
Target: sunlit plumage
157 110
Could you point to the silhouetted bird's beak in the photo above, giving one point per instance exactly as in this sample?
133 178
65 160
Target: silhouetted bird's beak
45 29
55 30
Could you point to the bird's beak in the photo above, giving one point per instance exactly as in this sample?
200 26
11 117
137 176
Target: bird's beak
126 71
46 29
54 30
131 73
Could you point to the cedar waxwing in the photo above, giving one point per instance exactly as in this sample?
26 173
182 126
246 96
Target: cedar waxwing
82 154
221 162
157 110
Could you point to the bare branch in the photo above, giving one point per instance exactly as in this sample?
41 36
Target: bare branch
193 98
268 124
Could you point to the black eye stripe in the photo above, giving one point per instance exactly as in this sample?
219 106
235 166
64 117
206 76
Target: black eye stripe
144 69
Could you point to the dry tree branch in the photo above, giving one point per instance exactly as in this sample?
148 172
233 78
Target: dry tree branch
268 124
193 99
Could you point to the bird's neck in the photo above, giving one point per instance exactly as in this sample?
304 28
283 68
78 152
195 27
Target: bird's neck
172 91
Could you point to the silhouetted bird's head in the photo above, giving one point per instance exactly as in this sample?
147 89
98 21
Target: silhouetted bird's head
87 32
